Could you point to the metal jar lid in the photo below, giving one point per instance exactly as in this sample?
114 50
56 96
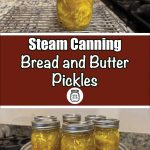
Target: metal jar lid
45 124
71 118
80 127
40 118
93 117
106 123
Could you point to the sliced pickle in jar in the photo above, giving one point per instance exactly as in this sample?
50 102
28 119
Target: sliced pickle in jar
74 14
77 142
45 135
77 136
106 134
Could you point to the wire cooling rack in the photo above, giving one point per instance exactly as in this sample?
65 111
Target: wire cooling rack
40 16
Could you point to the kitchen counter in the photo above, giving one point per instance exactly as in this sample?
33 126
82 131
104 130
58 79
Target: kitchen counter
136 141
133 141
40 16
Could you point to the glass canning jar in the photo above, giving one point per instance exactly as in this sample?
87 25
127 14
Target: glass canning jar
106 134
71 118
77 136
40 118
94 117
74 15
45 135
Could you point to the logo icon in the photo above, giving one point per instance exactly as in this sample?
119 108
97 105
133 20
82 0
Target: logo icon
75 95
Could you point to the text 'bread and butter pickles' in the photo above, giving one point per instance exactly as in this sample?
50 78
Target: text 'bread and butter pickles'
95 62
102 44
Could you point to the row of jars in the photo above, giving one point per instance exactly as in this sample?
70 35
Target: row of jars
95 133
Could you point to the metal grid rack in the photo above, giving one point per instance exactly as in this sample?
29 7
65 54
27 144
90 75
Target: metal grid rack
40 16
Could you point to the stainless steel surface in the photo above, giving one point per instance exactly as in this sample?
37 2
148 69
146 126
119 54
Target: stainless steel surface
81 127
4 131
45 124
29 147
93 117
106 123
40 16
40 118
71 118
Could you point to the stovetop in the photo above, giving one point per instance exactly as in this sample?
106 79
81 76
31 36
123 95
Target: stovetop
13 142
135 13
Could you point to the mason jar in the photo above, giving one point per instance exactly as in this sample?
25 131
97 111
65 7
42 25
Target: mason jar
45 135
77 136
106 134
71 118
75 96
74 15
40 118
94 117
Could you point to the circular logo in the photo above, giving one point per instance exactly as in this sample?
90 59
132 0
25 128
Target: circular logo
75 95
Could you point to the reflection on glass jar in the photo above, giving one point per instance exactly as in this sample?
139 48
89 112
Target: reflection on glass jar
71 118
45 135
106 134
74 14
77 136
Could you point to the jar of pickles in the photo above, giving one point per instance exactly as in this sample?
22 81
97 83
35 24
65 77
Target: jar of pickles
71 118
106 134
74 14
45 135
40 118
77 136
94 117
